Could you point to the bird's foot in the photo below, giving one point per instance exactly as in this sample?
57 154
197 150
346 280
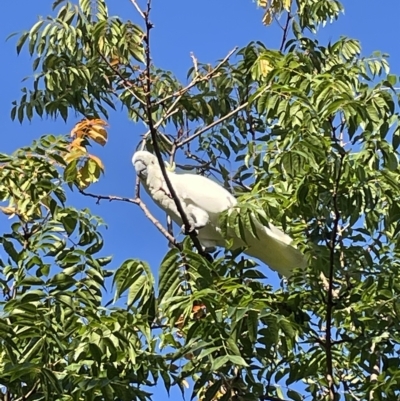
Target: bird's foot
192 230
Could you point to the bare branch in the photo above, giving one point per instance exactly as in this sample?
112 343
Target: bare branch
219 120
153 133
142 205
136 5
29 393
172 109
197 79
213 124
285 30
195 64
206 166
107 197
172 240
127 85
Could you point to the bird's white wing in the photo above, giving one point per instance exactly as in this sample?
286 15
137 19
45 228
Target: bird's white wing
205 200
202 192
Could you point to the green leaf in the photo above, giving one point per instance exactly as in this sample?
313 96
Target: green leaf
21 41
219 362
11 251
237 360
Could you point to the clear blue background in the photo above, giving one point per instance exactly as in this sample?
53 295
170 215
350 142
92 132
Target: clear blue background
209 29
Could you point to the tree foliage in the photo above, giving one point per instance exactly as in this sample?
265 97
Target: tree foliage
313 134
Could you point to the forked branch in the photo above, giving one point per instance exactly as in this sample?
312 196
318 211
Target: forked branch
142 205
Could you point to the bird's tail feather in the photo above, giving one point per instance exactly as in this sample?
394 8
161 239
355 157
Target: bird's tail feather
273 247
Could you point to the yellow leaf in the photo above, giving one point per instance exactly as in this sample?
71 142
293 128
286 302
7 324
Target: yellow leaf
83 177
9 211
88 173
75 154
287 4
77 131
265 67
93 169
98 161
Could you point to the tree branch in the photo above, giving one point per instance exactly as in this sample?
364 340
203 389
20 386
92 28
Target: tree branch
285 30
206 166
29 393
135 4
376 370
153 132
128 86
330 302
142 205
197 79
213 124
172 109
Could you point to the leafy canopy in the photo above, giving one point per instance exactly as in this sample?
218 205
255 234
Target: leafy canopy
312 132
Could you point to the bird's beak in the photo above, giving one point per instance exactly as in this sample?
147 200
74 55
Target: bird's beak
141 168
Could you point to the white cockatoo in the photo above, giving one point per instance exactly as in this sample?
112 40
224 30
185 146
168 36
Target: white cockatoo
203 200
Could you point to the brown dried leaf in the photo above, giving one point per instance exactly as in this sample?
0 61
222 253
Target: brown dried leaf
268 17
93 128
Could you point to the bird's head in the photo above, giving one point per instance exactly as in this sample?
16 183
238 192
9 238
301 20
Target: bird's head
141 160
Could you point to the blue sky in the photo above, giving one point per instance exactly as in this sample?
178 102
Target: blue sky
210 29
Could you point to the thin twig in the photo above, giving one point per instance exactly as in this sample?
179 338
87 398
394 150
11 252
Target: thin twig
142 205
213 124
29 393
285 31
170 112
107 197
197 79
206 166
153 132
138 9
179 94
160 227
127 84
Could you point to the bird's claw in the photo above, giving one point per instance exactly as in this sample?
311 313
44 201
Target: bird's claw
192 230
